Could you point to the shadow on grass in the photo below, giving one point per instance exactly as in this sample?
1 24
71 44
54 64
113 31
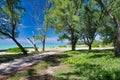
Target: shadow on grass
88 71
97 51
8 57
91 51
101 55
41 77
55 60
34 76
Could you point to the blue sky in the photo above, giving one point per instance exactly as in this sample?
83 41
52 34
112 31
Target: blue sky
28 24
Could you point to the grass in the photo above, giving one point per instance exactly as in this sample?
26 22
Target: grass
93 65
9 57
16 53
83 65
14 50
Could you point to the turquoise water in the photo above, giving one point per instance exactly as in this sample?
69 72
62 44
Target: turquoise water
7 46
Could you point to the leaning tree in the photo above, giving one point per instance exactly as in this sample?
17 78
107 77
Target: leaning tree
10 15
111 8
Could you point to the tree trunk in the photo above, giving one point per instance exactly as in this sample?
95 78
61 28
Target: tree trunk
117 42
33 43
35 47
90 47
20 46
43 42
72 42
117 23
73 47
43 45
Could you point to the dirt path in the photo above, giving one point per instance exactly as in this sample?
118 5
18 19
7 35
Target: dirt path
16 65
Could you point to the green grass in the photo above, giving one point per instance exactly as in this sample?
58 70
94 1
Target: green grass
16 53
14 50
93 65
83 65
9 57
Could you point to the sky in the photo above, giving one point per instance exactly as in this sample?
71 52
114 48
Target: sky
28 24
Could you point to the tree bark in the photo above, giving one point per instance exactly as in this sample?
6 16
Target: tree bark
117 42
20 46
35 47
73 47
43 45
117 24
33 44
73 41
90 47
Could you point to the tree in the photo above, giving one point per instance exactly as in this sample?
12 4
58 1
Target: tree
46 24
64 17
38 12
33 42
111 9
42 36
89 29
11 14
90 17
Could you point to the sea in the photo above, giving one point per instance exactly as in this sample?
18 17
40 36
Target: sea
47 45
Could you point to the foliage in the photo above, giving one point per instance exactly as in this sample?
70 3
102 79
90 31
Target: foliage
83 65
108 29
90 18
93 65
97 44
111 9
64 16
10 19
38 11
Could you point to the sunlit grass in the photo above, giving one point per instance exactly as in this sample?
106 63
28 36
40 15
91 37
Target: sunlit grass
78 65
93 65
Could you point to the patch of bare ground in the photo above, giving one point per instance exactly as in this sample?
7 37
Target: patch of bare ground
51 70
43 74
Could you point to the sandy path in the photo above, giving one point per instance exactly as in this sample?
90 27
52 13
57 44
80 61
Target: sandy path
19 64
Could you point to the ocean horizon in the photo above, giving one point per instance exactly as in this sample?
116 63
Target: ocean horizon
39 45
